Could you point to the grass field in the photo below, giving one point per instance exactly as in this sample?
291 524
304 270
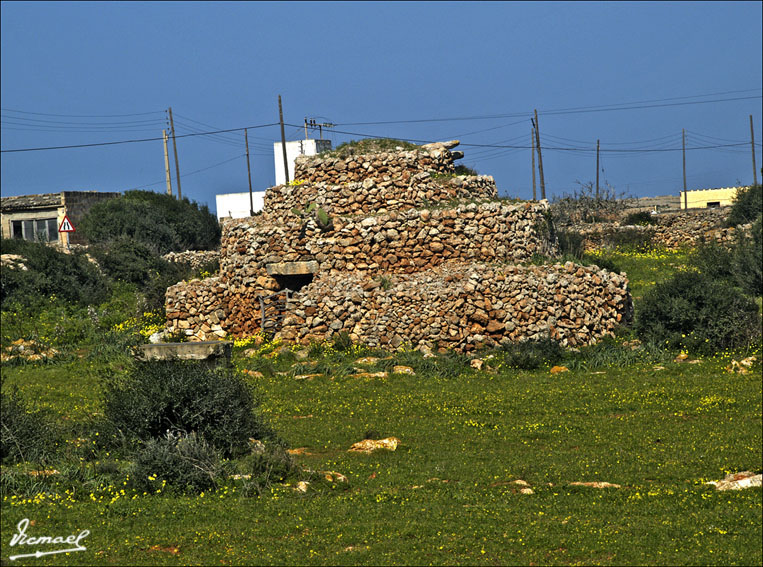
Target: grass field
658 428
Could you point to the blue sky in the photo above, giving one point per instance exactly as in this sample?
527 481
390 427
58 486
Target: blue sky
85 73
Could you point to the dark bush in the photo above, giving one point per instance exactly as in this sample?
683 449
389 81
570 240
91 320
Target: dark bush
529 355
157 220
134 262
185 463
185 396
748 205
747 261
49 272
642 218
693 311
571 243
464 170
630 239
26 434
603 263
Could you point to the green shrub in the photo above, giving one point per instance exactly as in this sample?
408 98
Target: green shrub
464 170
602 262
134 262
369 146
642 218
185 396
695 312
157 220
49 272
26 434
269 465
630 239
184 462
532 354
714 260
747 260
748 205
571 243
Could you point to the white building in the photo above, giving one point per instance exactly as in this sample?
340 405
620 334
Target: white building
236 205
294 149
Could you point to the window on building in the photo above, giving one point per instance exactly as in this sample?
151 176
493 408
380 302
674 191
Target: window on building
713 204
35 230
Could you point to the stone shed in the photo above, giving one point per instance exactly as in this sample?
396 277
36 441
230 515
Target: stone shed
394 247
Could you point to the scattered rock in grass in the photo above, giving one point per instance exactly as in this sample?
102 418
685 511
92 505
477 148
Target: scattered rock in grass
658 368
256 447
307 376
558 369
595 484
477 363
367 360
741 366
520 482
253 373
681 357
333 476
370 375
302 354
738 481
48 472
302 486
31 351
403 370
527 491
298 451
371 445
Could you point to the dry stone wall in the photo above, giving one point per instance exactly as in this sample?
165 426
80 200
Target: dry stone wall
463 306
672 231
371 196
392 242
384 167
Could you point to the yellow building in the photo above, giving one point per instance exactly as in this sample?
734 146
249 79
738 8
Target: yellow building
708 198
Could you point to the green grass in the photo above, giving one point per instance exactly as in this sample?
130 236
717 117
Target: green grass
444 496
658 428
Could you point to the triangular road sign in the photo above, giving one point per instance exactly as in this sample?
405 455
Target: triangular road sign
66 225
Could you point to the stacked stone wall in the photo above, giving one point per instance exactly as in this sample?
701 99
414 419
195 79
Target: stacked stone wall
393 242
672 231
370 196
194 258
385 167
463 306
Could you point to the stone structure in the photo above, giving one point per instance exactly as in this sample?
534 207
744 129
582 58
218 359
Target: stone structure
25 216
411 253
671 231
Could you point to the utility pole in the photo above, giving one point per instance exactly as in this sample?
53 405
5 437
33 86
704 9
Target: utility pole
249 171
597 170
283 142
752 143
540 157
683 141
532 143
175 148
167 164
306 136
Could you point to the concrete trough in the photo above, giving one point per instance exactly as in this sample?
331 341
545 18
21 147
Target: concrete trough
211 352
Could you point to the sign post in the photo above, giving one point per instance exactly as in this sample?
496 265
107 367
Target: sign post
66 226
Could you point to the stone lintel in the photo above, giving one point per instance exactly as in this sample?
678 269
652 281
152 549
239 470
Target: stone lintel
292 268
200 350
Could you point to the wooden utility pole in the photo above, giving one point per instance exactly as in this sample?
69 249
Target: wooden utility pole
283 141
306 136
175 148
683 141
752 144
540 158
597 169
167 164
249 171
532 143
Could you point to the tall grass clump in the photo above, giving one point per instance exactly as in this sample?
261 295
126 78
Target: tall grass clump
747 260
26 433
188 397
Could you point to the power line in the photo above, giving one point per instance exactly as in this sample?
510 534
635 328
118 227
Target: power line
83 115
134 141
192 172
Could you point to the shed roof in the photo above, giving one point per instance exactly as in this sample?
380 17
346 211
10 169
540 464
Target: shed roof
24 202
